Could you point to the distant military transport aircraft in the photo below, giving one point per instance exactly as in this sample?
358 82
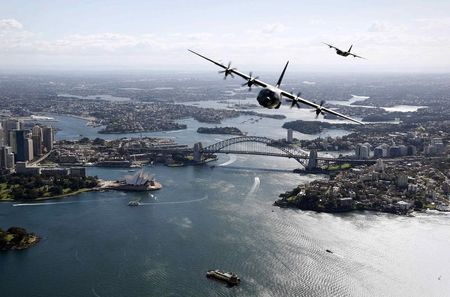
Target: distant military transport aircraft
270 96
344 53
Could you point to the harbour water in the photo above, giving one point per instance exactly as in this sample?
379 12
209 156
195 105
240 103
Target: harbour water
205 218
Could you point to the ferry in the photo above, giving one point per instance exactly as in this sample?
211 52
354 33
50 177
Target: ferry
229 277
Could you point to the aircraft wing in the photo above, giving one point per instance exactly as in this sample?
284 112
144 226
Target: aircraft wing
356 56
331 46
316 106
283 93
256 82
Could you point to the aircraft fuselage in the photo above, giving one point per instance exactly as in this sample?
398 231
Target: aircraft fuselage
269 98
341 53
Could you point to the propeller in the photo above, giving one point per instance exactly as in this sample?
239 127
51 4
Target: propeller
319 109
228 71
295 102
250 81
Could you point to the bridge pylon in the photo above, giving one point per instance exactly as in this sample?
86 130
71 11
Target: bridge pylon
312 161
198 152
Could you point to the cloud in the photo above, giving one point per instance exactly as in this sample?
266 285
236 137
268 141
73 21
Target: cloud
273 28
8 24
379 26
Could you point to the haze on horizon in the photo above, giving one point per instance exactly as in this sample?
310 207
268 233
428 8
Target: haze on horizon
395 36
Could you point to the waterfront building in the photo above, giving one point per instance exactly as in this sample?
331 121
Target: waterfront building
61 171
78 171
362 151
395 151
48 138
381 151
139 182
23 168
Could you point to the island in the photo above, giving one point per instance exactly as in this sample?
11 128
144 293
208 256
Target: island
314 127
263 115
16 238
220 130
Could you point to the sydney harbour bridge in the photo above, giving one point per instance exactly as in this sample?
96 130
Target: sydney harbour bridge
257 145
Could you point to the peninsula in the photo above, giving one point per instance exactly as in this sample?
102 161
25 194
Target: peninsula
400 188
24 187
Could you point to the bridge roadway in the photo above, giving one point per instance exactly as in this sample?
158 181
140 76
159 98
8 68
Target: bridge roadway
272 154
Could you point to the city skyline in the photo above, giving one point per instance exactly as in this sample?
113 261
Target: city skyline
399 36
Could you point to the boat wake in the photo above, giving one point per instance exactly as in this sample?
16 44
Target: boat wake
44 203
233 159
255 186
95 293
174 202
56 203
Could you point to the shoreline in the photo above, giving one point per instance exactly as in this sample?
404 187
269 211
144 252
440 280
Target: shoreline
84 190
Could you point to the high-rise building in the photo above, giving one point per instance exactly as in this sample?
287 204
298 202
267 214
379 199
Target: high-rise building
37 141
12 124
2 136
362 151
381 151
29 151
6 158
48 138
21 144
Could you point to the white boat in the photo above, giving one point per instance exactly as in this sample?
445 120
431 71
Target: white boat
228 277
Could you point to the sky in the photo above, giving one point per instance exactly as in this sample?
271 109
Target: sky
394 36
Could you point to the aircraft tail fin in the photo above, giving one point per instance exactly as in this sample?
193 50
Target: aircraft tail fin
350 48
282 74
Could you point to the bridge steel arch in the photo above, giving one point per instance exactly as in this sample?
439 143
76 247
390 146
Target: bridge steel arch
290 152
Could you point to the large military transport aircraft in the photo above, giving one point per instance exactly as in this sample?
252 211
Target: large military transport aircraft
344 53
270 96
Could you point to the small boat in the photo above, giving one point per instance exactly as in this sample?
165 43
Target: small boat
133 203
229 277
329 251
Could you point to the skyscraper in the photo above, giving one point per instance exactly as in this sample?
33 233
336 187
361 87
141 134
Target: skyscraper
37 141
10 125
21 144
48 139
6 158
2 135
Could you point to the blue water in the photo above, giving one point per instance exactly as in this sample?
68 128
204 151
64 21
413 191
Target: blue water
93 244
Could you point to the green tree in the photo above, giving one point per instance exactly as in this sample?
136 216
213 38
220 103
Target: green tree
56 190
